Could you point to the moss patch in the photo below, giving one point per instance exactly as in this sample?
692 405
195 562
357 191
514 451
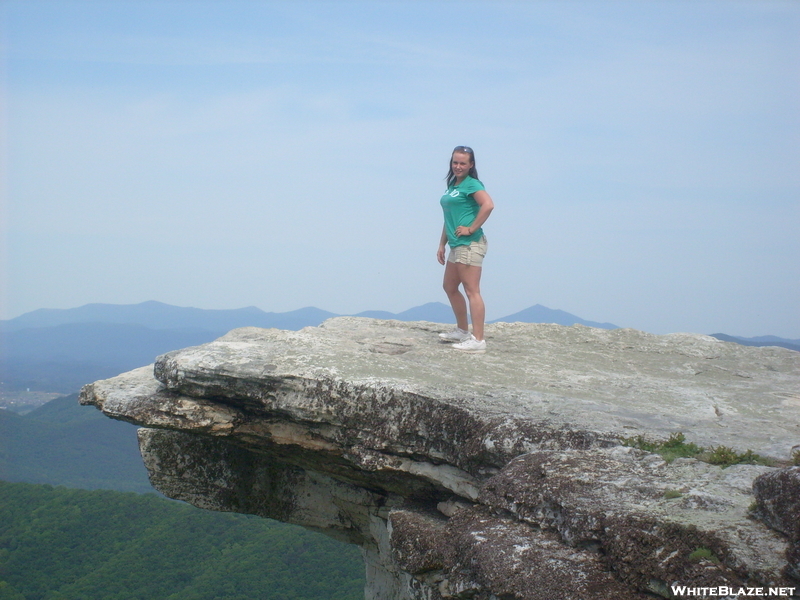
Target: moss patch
702 553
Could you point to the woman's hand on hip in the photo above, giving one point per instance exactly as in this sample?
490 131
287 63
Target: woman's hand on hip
462 231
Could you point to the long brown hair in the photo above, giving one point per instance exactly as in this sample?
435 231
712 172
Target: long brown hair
473 172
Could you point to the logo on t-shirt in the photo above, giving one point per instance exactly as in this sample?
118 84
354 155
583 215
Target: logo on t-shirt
454 193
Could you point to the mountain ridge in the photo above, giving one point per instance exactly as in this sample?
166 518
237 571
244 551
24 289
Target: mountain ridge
159 315
542 314
759 341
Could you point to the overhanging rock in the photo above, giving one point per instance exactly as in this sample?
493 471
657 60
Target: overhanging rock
479 476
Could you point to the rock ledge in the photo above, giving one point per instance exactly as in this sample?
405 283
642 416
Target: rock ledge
483 476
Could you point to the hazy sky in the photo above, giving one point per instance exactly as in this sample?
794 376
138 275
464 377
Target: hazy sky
644 157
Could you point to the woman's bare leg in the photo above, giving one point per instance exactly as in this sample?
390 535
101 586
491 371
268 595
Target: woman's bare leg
450 284
470 277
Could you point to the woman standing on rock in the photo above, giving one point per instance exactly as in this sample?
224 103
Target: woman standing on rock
466 207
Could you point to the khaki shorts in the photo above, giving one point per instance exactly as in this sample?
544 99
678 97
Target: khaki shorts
471 255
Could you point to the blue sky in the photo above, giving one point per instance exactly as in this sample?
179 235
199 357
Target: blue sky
644 157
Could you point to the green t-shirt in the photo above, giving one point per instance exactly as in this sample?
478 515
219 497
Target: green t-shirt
460 208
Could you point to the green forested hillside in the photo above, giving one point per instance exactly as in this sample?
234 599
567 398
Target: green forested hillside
69 544
64 443
72 544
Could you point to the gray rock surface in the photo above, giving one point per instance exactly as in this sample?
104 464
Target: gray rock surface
479 476
778 505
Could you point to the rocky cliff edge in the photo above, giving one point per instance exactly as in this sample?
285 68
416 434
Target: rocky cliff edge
497 475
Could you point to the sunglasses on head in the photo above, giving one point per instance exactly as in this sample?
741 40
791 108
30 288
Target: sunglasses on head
466 149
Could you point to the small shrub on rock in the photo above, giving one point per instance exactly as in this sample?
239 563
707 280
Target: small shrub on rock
677 447
674 447
725 457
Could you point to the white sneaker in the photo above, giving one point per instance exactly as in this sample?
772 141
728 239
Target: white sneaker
457 335
471 345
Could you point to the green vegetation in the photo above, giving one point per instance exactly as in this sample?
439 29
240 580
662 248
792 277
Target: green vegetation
73 544
674 447
796 458
671 494
725 457
702 553
64 443
677 447
68 544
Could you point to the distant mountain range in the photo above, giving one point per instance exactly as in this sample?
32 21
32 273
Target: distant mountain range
157 315
59 350
542 314
763 340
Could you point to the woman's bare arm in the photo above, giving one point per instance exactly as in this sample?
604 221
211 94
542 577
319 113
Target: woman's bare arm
486 205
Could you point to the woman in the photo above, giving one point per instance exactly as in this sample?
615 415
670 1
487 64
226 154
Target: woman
466 207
